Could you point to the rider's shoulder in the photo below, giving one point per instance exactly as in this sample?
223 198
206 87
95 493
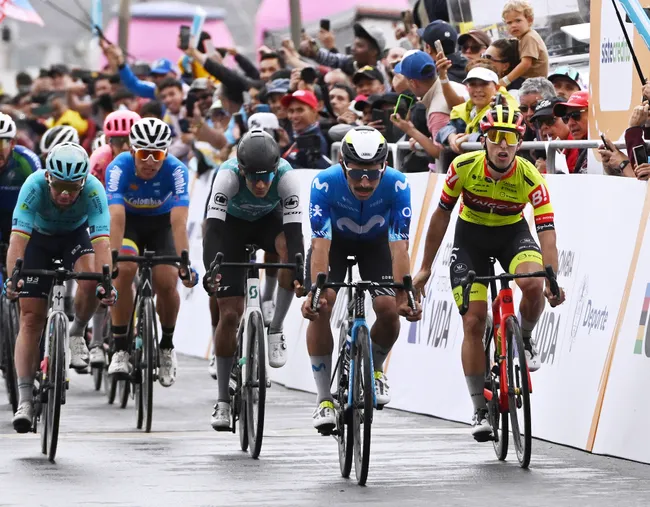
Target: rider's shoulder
392 174
229 165
283 167
124 160
36 180
28 154
469 159
93 186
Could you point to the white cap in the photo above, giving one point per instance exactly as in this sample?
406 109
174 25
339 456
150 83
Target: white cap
216 105
483 74
264 121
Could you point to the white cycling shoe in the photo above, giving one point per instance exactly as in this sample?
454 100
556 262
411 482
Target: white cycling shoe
277 350
97 358
533 359
120 364
382 389
168 367
78 352
23 417
220 419
324 418
212 367
481 427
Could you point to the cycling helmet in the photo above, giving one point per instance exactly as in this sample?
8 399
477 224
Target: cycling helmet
364 145
151 134
98 142
7 127
119 123
257 152
57 135
503 118
68 162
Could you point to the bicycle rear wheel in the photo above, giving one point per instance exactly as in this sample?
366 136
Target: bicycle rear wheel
238 398
55 382
519 393
150 361
362 399
98 376
345 436
124 388
255 385
498 421
9 330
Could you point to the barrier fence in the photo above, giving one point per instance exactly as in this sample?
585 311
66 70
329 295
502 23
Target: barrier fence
591 390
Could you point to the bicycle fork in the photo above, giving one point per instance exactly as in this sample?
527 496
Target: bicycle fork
359 322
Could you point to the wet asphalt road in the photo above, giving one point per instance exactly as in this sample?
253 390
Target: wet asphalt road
416 460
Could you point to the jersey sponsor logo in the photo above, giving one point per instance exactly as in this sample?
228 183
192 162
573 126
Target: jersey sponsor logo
320 186
220 199
374 204
291 202
406 212
133 187
114 179
486 204
539 196
401 185
179 180
146 202
452 177
346 222
315 211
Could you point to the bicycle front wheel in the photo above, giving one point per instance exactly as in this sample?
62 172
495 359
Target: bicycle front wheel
362 401
238 406
9 330
498 421
149 361
519 393
255 383
55 382
345 435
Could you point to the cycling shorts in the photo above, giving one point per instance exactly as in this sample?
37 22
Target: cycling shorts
237 234
475 244
373 258
42 249
148 233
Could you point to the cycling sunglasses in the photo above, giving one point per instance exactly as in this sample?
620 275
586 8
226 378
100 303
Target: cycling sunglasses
118 141
61 186
5 142
359 174
524 109
144 154
574 115
549 121
266 177
496 136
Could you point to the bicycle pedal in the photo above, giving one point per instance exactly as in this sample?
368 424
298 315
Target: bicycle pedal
223 430
268 384
380 407
483 437
327 430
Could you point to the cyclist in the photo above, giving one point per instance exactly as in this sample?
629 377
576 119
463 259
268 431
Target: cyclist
148 199
496 186
117 127
358 207
55 136
255 199
61 213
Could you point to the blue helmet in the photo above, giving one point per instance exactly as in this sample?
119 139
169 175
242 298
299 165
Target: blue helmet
68 162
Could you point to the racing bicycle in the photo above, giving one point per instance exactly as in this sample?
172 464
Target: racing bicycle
52 377
353 376
9 318
507 379
248 382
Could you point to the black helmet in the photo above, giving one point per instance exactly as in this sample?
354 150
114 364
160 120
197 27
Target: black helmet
257 152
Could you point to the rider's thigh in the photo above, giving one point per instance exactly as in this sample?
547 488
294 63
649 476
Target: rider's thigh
281 247
385 307
530 287
474 321
33 314
230 311
85 264
165 279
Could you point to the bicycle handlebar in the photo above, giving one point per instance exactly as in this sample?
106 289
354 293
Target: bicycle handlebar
150 259
322 284
471 277
103 279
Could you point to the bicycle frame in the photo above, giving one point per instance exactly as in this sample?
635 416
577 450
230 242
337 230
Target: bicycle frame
252 305
57 307
359 311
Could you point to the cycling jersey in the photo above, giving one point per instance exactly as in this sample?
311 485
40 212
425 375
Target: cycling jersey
99 161
156 196
334 209
500 202
36 211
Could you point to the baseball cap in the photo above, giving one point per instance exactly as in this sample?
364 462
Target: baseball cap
439 30
483 74
367 72
416 64
566 72
376 101
579 100
478 35
278 86
305 96
264 121
216 105
200 83
361 101
162 66
545 107
372 34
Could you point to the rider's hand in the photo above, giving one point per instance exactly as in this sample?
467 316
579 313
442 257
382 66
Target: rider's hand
553 300
299 290
404 310
307 312
7 289
419 282
211 286
193 279
106 300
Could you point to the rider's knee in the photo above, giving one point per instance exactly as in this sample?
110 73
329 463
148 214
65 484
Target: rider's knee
32 320
86 288
385 309
474 325
281 247
531 287
127 272
230 314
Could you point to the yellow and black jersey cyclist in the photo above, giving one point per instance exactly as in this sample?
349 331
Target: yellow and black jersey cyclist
496 185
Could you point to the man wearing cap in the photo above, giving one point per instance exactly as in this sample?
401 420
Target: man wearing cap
552 128
575 113
448 37
473 44
566 81
309 147
275 90
368 81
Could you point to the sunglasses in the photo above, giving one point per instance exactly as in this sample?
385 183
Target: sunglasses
71 187
5 143
118 141
144 154
524 109
492 59
496 136
470 48
575 116
359 174
265 177
549 122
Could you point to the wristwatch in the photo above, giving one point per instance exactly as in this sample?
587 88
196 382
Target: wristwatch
619 170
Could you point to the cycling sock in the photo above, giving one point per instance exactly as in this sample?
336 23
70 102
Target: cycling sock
119 338
476 384
224 367
270 282
321 367
527 328
282 305
167 340
25 389
78 327
98 325
379 355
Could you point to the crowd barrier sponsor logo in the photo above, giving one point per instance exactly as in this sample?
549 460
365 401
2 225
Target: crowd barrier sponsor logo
643 327
547 332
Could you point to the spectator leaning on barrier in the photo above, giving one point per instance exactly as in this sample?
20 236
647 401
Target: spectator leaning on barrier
532 91
566 81
473 44
575 113
309 147
447 35
552 128
504 55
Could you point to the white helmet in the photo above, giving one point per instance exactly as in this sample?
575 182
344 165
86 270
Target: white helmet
7 127
150 133
68 162
98 142
57 135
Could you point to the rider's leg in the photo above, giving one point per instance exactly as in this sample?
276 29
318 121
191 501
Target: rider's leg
472 352
85 302
532 301
123 308
285 290
33 314
270 277
320 344
385 330
98 323
168 301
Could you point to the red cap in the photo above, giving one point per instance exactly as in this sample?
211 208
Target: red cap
579 100
305 96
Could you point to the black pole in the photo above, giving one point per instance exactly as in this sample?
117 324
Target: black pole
629 44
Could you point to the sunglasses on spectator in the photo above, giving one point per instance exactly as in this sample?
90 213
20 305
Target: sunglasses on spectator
265 177
549 121
61 186
144 154
574 115
359 174
524 109
118 141
492 59
470 48
496 136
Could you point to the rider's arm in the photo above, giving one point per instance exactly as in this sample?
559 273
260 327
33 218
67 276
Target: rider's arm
321 227
23 220
224 188
180 210
289 192
115 184
398 231
98 222
118 221
178 219
540 200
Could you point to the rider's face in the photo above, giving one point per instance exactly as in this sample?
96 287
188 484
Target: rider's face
6 147
148 168
259 188
501 154
363 180
64 193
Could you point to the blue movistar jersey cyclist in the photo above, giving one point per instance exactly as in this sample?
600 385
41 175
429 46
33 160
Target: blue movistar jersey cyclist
36 211
333 209
156 196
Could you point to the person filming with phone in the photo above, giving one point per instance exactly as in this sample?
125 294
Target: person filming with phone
635 136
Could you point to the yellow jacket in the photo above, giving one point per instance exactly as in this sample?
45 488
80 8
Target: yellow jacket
463 111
